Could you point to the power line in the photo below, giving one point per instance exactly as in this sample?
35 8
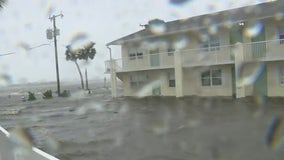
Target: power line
30 48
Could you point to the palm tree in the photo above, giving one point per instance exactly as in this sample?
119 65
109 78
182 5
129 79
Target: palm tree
85 53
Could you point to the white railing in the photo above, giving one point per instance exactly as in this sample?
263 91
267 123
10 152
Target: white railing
254 51
145 62
264 50
208 56
107 66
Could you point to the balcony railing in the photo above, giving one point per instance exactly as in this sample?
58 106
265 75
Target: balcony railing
264 50
142 62
208 56
254 51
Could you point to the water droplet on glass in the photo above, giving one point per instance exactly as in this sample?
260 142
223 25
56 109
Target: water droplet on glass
274 138
78 40
279 16
52 144
5 79
23 45
203 37
213 29
252 74
181 42
89 107
49 10
160 129
145 90
212 7
253 29
21 137
228 24
157 26
179 2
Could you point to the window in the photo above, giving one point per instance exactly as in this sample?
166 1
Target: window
171 51
216 77
132 56
212 78
205 78
137 80
172 81
281 34
139 55
281 39
135 55
212 44
281 74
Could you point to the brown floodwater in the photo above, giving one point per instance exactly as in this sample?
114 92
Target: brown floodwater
96 126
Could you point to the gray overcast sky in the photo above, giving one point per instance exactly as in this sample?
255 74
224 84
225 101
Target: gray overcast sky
24 23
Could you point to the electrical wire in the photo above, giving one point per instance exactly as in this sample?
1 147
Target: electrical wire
28 49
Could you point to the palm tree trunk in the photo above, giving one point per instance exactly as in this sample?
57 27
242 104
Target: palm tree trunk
81 76
86 78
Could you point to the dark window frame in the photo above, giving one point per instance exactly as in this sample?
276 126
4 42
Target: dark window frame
139 55
132 56
213 77
171 51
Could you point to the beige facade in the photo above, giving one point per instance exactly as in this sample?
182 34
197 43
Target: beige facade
241 59
274 84
193 84
142 83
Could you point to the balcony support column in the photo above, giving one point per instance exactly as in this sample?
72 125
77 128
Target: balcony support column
239 60
178 73
113 80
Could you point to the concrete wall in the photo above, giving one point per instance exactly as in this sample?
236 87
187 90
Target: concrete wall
193 86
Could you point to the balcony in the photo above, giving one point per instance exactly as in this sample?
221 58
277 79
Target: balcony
208 56
254 51
142 62
264 51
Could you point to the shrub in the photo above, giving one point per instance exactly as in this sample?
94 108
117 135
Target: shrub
47 94
31 96
65 93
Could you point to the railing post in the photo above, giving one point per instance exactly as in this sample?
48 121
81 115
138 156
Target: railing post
113 79
178 73
239 60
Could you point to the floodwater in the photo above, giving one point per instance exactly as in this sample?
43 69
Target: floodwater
95 126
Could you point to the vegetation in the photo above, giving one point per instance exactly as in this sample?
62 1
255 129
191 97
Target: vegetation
31 96
85 53
65 93
47 94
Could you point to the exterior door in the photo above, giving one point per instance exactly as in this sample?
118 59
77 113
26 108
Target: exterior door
236 36
260 85
154 58
156 91
234 89
259 45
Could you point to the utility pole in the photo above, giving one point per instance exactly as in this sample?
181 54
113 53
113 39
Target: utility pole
55 32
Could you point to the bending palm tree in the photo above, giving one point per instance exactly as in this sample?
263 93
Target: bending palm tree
85 53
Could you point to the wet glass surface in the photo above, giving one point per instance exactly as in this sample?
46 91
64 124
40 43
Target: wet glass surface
147 121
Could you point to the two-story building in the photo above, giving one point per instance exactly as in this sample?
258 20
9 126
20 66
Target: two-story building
237 52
